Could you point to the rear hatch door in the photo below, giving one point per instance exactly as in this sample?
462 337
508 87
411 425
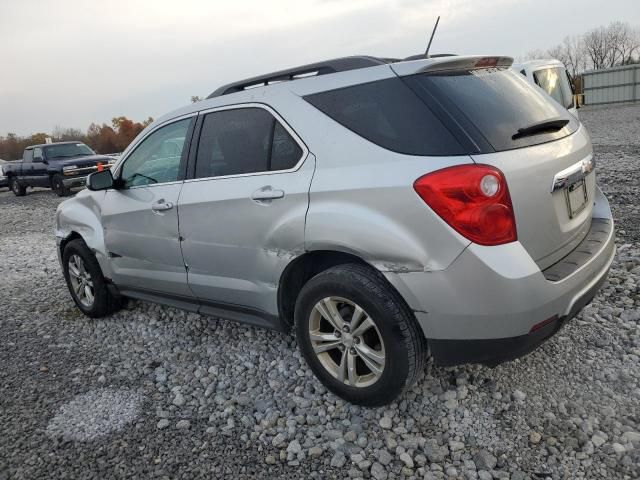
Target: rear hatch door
514 126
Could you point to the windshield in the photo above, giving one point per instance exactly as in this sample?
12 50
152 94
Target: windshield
65 150
493 105
556 84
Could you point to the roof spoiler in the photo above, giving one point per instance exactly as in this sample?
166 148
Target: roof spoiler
441 64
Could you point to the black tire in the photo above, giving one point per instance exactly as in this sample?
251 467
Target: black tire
404 343
104 302
17 189
57 185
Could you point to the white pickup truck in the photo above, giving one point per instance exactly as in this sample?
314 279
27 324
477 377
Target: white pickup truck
552 76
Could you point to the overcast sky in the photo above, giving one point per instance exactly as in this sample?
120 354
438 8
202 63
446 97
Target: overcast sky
73 62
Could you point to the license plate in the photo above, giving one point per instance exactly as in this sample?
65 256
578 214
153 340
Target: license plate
576 196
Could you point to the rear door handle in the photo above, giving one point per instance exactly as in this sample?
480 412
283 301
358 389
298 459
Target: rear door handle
161 206
267 193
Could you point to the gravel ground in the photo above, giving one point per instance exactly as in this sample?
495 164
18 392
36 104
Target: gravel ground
156 392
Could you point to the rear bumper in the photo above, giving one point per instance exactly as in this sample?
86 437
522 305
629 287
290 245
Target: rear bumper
482 308
492 352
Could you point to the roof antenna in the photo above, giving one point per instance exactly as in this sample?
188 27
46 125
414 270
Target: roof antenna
426 53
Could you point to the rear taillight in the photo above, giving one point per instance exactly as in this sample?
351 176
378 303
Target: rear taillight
472 199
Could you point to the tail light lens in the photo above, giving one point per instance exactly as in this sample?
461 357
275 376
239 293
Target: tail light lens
473 199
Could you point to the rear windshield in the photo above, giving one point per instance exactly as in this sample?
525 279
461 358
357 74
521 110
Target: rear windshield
496 102
446 113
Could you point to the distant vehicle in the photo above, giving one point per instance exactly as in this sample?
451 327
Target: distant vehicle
3 178
59 166
551 75
388 211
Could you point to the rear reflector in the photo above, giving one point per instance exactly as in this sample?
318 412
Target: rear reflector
473 199
543 323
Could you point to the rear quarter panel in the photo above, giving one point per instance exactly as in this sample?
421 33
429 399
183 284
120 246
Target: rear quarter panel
362 199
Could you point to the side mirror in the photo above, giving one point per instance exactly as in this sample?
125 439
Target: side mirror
100 180
38 159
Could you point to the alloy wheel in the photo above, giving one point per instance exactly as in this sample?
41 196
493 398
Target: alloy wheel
347 342
81 281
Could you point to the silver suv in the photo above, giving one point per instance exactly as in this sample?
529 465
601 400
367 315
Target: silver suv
388 211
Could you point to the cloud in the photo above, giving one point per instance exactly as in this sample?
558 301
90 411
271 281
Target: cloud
71 62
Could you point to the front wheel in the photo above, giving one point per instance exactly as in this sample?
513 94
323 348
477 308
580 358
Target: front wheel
358 336
57 185
17 189
86 283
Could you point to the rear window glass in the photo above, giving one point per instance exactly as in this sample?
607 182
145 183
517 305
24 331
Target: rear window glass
496 102
242 141
390 115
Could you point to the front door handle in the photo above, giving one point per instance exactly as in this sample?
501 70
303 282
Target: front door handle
267 193
161 206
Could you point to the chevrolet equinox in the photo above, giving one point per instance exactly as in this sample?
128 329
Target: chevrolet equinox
388 211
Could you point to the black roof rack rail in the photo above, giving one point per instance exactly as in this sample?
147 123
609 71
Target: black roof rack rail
320 68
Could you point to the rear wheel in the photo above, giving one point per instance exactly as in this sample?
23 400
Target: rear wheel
57 185
86 283
16 188
358 336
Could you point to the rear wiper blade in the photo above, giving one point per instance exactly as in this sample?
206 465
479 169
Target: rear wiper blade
547 126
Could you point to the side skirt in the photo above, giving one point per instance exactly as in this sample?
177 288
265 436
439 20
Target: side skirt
237 313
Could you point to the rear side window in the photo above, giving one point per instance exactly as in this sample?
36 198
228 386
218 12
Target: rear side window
285 153
494 104
242 141
390 115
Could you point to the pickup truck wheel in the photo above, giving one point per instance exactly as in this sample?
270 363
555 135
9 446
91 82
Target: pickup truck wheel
358 336
16 188
85 281
57 185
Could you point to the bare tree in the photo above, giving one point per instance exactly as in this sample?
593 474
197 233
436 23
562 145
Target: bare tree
627 42
616 44
535 54
598 48
62 134
575 54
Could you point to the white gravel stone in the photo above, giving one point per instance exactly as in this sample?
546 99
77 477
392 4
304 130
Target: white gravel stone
386 423
251 395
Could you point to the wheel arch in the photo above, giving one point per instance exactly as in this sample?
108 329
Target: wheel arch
80 218
304 267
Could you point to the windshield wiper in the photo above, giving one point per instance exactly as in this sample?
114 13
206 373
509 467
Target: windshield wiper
547 126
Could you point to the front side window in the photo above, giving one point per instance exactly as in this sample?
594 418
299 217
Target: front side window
157 158
37 154
243 141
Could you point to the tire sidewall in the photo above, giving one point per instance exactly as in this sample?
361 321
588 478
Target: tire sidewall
77 247
58 186
14 185
394 376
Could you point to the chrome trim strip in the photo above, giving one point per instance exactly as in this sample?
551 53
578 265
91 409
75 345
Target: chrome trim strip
573 173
